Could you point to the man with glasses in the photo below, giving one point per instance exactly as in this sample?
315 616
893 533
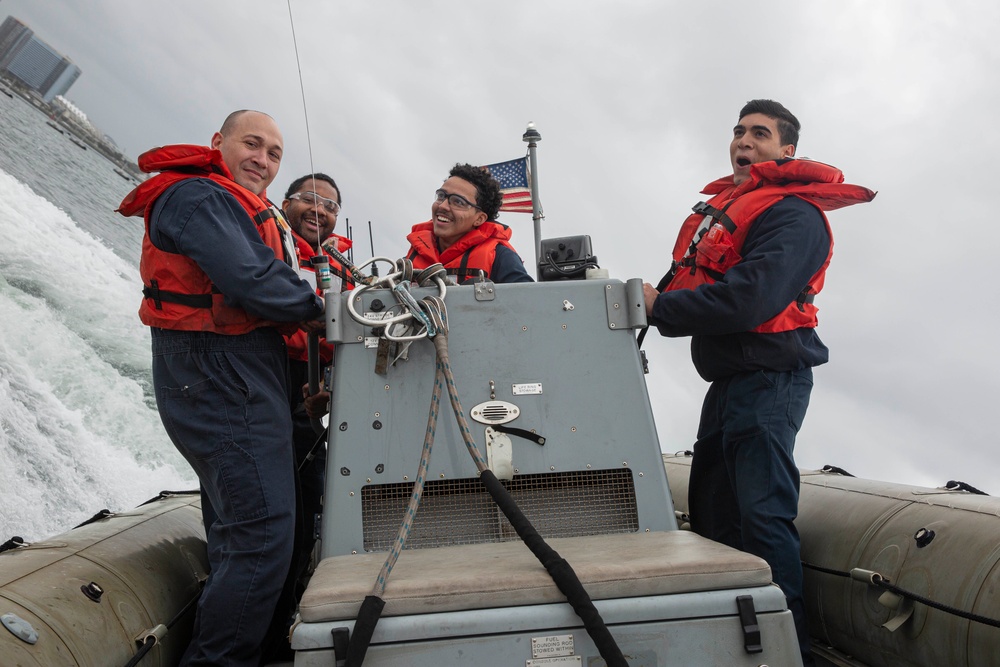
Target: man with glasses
311 207
463 233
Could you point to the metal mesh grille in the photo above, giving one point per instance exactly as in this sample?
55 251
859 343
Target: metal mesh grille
461 511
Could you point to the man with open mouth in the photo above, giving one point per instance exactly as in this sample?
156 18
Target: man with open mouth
747 266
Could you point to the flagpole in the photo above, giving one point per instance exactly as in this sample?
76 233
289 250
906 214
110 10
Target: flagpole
532 137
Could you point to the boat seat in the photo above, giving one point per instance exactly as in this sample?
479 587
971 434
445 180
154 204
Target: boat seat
472 576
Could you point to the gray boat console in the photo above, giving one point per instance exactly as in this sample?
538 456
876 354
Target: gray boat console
551 381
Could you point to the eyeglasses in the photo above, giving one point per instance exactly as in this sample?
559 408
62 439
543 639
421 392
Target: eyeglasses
457 202
313 199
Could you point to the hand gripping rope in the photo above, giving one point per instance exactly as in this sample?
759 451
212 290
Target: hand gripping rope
432 318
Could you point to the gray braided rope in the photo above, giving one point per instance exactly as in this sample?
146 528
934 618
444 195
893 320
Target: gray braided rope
441 345
435 309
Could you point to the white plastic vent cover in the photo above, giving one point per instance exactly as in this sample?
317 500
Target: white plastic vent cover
495 412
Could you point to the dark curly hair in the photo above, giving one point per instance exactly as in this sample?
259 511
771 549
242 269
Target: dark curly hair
788 125
488 196
297 183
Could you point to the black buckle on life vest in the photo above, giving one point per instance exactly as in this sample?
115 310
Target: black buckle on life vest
804 297
701 208
153 292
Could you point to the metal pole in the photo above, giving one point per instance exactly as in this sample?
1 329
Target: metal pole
532 137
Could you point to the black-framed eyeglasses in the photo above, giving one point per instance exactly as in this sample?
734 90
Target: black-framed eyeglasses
457 202
313 199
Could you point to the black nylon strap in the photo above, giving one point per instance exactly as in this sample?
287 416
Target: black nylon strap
715 275
463 273
519 432
153 291
364 628
562 573
264 216
748 619
667 277
704 209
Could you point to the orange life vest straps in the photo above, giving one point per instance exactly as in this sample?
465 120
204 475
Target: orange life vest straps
177 294
688 258
153 291
703 253
720 216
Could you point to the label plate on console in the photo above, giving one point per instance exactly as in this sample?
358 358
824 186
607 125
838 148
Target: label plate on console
551 646
568 661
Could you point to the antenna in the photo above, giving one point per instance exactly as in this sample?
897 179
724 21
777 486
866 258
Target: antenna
320 258
350 235
371 241
305 112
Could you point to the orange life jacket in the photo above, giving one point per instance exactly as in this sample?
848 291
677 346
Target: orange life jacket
298 341
703 253
465 258
177 293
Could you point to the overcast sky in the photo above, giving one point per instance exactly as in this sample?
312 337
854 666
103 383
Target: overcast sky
635 102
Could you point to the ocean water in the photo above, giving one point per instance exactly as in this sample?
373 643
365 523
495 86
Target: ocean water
79 431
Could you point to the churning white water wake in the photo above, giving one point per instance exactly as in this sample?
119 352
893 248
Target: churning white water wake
78 429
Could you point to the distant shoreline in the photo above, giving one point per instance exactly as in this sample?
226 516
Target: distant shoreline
124 167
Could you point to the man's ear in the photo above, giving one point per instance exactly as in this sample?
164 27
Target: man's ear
788 150
216 139
480 219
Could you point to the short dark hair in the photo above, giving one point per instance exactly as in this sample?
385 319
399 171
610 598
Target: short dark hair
297 183
488 197
788 125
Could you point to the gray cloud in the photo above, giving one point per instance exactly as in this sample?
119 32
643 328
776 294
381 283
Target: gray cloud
635 102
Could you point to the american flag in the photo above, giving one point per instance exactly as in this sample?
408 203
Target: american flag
513 178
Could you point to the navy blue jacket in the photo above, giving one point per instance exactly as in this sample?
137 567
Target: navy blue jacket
784 248
508 267
199 219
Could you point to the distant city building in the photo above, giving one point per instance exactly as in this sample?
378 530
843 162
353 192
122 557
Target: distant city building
13 35
40 75
33 62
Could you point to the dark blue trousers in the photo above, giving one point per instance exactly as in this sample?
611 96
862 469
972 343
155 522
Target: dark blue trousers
223 402
310 478
744 484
